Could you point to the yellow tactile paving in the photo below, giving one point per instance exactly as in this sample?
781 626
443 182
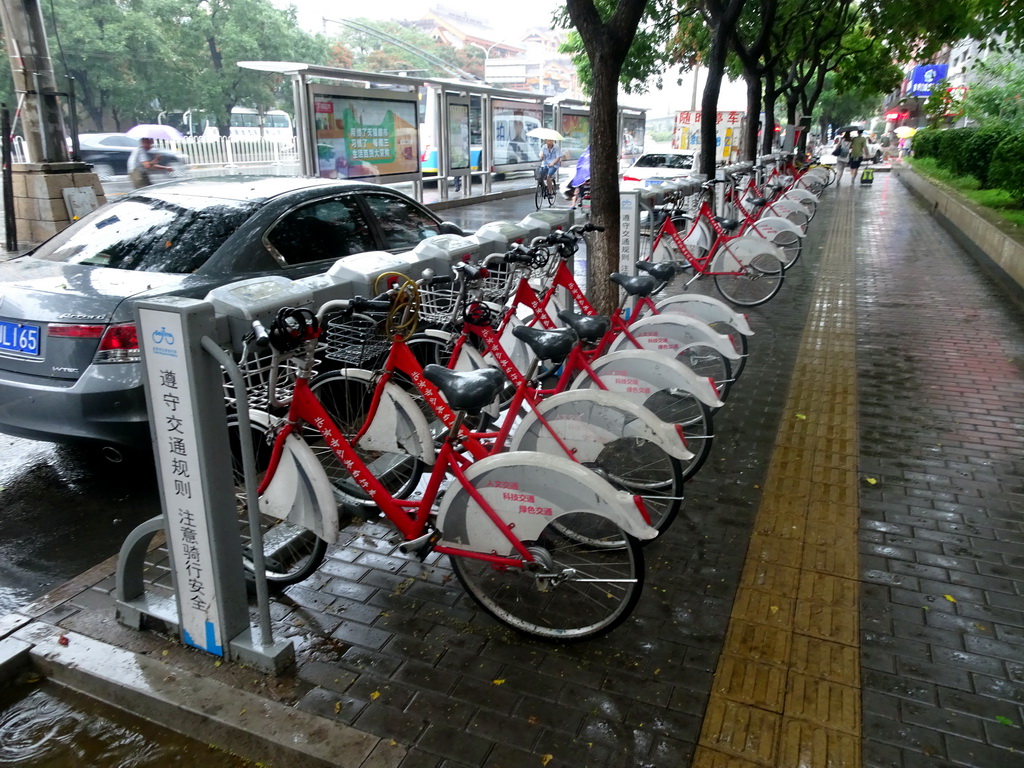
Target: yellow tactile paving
787 687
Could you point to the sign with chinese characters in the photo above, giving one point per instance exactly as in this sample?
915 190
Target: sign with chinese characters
629 231
175 430
925 78
358 138
728 132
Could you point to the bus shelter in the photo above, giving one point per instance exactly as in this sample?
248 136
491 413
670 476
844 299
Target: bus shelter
394 128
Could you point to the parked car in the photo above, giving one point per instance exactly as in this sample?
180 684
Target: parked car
656 167
69 356
108 154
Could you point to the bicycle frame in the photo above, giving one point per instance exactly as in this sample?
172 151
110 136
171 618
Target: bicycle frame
409 517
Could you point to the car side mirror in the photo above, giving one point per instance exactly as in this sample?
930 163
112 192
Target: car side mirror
450 228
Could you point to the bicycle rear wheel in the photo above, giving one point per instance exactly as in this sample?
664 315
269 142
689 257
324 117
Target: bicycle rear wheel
685 409
291 554
753 283
576 588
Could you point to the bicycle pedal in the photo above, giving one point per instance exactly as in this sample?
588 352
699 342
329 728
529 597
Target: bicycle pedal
421 546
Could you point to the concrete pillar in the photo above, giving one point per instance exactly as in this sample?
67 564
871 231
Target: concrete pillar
39 207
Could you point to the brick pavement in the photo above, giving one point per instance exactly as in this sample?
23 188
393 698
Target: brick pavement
941 403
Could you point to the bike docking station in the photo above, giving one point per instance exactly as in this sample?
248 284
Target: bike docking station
188 345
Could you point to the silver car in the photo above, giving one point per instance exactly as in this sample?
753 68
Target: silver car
69 356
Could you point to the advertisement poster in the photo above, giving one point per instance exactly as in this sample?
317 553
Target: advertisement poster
511 122
357 138
575 130
632 138
728 130
458 136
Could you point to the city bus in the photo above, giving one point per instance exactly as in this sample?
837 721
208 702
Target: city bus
247 124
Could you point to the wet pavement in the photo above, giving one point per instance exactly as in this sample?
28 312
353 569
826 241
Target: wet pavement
842 588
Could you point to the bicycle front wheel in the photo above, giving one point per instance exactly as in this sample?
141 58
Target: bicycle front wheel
290 553
538 194
586 578
348 398
753 283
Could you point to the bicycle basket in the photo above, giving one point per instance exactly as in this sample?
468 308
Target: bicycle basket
437 303
256 373
356 339
538 173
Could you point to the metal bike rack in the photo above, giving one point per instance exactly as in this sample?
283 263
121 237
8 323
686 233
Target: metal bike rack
187 345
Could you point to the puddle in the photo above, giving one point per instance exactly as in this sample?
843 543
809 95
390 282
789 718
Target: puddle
43 725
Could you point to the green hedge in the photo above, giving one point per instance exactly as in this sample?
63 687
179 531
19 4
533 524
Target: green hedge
994 155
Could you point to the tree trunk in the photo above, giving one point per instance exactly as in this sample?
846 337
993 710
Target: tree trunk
603 251
709 105
753 112
607 44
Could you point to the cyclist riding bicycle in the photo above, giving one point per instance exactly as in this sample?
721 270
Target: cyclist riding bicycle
550 159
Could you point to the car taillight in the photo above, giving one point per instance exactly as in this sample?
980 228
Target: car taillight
118 343
630 178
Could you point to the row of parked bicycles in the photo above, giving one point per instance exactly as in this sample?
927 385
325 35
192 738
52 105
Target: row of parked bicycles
491 415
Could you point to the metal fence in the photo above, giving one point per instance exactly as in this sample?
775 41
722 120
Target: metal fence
217 155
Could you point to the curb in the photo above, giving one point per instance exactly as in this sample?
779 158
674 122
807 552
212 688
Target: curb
191 704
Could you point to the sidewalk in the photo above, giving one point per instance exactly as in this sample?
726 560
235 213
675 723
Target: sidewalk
842 588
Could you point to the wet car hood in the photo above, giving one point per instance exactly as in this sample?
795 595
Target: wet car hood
55 292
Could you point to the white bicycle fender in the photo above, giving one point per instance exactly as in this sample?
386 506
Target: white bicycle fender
672 333
706 308
516 349
742 251
398 426
770 226
802 196
528 491
299 493
586 420
790 209
639 373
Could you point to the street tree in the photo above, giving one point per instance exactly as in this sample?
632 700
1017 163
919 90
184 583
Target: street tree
214 35
606 30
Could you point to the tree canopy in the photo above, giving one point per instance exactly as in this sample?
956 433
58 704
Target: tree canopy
130 59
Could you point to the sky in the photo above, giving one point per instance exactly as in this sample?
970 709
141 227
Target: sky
510 17
513 16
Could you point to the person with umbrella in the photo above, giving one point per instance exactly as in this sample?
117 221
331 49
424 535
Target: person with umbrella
550 159
143 160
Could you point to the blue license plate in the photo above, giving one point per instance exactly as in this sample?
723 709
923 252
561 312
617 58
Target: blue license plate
19 337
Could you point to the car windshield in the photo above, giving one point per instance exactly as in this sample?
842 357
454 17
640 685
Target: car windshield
665 161
149 235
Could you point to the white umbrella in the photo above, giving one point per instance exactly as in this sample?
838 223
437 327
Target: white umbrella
153 131
544 134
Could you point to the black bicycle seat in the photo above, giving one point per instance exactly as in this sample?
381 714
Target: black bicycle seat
589 328
663 271
553 345
727 224
466 390
635 285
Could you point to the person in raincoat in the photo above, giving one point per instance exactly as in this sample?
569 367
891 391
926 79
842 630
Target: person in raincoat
579 179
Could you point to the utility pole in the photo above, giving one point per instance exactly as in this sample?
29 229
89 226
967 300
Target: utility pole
41 206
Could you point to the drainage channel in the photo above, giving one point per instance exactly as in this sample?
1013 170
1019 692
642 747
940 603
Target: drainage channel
44 724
